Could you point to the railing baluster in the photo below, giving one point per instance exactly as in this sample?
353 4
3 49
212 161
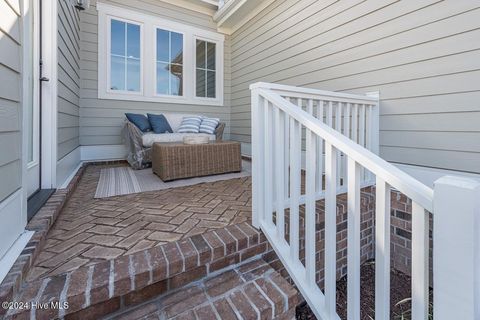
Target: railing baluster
355 123
353 234
310 106
346 132
320 150
361 132
382 250
330 228
330 114
346 120
420 256
338 127
268 144
287 153
369 135
279 168
369 122
361 125
295 162
310 220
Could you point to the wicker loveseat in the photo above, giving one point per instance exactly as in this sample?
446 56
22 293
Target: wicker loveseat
139 144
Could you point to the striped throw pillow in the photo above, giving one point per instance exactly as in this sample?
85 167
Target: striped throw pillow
190 125
209 125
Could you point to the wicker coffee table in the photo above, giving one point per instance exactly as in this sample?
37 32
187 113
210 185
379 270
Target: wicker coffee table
172 161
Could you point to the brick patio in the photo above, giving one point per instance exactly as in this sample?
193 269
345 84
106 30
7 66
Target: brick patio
92 230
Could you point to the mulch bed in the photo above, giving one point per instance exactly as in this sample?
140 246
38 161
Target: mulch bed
400 285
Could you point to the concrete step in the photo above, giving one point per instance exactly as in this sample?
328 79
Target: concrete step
251 290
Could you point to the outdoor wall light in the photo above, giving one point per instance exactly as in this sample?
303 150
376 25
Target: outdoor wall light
81 4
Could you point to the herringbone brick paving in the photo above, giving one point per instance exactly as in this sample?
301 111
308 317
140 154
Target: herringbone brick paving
92 230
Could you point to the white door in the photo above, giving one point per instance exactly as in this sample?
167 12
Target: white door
31 94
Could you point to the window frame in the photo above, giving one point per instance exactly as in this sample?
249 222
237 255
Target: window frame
184 42
109 57
217 84
148 37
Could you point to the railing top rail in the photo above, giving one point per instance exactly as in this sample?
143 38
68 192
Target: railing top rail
395 177
285 89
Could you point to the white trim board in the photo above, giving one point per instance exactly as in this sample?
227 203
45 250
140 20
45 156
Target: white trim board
103 152
49 95
208 8
7 261
428 175
67 167
13 221
221 16
70 164
246 148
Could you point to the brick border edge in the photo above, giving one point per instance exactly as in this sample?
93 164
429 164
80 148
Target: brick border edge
40 224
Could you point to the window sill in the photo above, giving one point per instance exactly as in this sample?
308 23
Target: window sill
175 100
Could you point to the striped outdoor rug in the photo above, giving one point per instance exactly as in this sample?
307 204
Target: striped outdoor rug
119 181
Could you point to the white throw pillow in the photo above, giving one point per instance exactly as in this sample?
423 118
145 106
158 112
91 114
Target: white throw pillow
209 125
190 124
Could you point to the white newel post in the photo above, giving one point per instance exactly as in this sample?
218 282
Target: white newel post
456 248
257 158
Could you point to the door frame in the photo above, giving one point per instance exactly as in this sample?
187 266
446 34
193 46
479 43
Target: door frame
48 90
32 45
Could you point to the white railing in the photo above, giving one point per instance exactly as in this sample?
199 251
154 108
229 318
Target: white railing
355 116
339 135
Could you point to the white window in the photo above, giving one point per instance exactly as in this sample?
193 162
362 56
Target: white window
125 58
169 63
146 58
205 69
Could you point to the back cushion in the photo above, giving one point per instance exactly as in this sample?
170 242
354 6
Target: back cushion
175 119
190 124
209 125
140 120
159 123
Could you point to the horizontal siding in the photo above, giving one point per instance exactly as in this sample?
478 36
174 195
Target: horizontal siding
68 102
423 56
101 121
10 98
10 52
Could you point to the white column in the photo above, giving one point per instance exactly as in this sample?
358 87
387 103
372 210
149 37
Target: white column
456 248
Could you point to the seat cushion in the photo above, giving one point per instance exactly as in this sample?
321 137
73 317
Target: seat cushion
150 138
139 120
159 123
190 125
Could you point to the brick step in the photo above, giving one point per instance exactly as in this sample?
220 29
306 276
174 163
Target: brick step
96 290
251 290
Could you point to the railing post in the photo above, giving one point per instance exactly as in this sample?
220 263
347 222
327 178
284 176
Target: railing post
456 248
258 159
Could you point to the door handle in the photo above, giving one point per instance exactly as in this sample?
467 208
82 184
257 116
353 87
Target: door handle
44 79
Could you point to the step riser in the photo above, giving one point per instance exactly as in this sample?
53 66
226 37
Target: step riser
250 290
108 286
